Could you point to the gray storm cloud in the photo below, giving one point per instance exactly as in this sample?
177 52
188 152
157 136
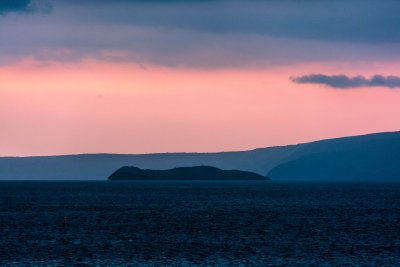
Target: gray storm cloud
369 21
14 6
197 33
25 6
350 21
346 82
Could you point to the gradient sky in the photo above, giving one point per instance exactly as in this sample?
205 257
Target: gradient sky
125 76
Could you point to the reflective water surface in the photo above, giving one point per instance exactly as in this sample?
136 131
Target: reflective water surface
199 223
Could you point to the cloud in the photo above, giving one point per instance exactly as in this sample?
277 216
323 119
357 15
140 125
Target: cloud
369 21
197 33
346 82
64 41
25 6
13 6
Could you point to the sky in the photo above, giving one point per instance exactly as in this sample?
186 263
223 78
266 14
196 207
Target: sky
135 76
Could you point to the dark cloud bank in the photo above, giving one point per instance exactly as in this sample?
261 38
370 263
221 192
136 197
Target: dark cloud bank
368 21
201 33
346 82
14 6
25 6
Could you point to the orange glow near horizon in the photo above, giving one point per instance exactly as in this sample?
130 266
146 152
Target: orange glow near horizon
93 107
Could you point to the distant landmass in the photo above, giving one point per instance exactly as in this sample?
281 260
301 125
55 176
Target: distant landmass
365 158
373 157
184 173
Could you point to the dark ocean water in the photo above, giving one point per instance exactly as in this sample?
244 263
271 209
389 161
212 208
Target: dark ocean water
199 223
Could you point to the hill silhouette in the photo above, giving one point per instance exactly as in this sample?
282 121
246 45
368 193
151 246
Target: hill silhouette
366 157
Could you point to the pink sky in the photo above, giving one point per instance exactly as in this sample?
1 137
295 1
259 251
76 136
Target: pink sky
194 76
98 106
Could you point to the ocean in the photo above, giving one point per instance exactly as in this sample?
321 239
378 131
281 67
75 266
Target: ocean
198 223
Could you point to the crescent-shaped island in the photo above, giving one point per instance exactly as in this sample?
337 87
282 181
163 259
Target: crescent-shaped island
206 173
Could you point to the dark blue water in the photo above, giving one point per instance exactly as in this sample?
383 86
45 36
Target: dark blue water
199 223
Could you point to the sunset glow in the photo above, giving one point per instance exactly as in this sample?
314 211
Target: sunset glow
201 91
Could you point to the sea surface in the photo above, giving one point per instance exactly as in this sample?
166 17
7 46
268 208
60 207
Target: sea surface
199 224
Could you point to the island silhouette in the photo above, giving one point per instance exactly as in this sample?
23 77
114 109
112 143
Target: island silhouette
184 173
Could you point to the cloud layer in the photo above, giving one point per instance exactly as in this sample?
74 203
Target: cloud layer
350 21
346 82
13 6
196 33
25 6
